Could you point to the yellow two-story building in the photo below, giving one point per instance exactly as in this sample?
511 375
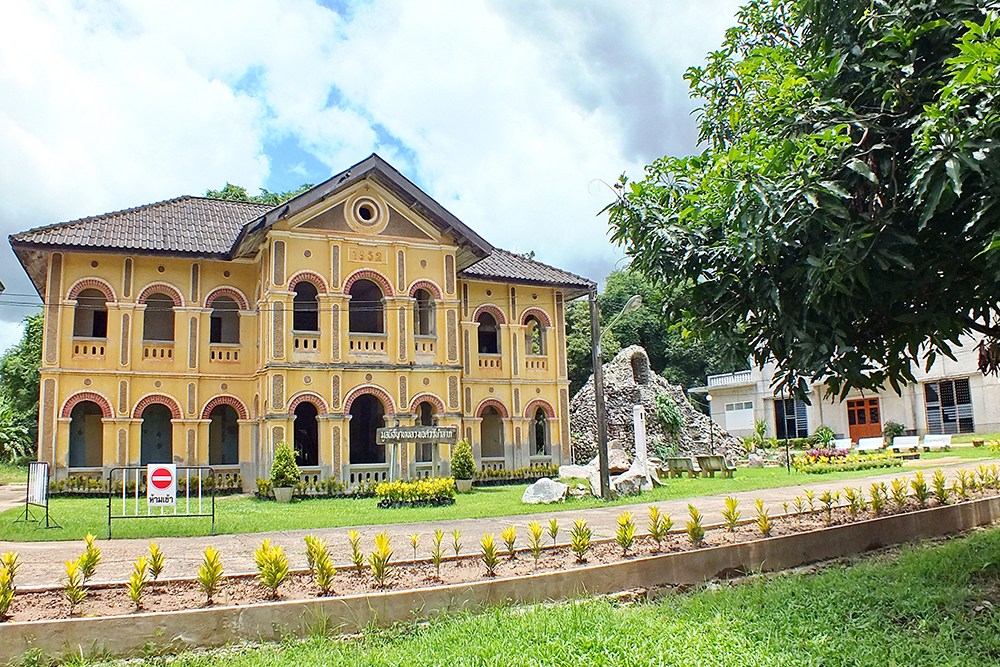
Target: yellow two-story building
203 332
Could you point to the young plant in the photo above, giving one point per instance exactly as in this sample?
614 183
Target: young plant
489 554
579 540
357 558
272 566
939 488
855 500
437 551
8 570
899 494
414 542
137 581
379 559
763 520
210 573
314 546
509 537
695 526
731 514
535 533
784 507
456 541
798 505
156 561
811 498
553 530
90 558
920 490
827 499
659 525
879 494
625 535
322 568
73 589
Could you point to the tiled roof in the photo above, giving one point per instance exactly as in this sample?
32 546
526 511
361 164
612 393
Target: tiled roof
195 225
504 265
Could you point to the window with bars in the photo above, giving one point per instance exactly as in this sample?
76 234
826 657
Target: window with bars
790 418
949 406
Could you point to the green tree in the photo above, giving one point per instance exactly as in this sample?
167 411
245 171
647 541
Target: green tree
842 218
19 386
239 193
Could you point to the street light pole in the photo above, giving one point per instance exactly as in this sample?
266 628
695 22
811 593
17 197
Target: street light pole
711 431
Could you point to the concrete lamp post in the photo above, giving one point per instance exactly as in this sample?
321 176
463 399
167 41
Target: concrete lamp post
634 303
711 431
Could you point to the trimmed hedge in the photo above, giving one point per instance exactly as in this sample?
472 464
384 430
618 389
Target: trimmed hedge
851 463
434 491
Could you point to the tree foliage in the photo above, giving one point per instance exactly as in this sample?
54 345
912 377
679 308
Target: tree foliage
19 383
842 218
239 193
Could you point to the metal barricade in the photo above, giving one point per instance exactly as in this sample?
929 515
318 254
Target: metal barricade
127 493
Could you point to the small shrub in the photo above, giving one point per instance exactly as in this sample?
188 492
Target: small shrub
463 466
899 494
284 471
731 514
659 525
879 494
828 501
553 530
811 499
695 526
763 519
137 581
357 558
313 547
456 541
891 429
668 414
157 561
433 492
823 436
73 589
535 532
90 558
414 542
579 540
509 537
210 573
489 554
272 566
855 500
798 505
920 490
437 551
320 565
380 558
625 534
8 570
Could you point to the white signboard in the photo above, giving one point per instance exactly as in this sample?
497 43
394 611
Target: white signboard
161 484
38 483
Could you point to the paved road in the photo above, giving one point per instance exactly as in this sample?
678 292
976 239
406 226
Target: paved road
43 561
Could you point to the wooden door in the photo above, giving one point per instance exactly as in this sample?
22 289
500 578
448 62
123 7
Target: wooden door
864 419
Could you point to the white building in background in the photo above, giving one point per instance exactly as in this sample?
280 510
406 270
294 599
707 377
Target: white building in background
951 397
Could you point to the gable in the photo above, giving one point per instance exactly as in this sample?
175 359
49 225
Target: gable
339 217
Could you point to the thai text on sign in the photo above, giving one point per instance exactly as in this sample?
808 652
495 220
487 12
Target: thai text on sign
418 434
161 484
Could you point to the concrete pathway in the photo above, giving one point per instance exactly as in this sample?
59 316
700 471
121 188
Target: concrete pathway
42 562
12 495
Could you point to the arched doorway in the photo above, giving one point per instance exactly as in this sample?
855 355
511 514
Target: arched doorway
367 415
540 445
306 434
491 432
156 441
223 436
425 417
86 436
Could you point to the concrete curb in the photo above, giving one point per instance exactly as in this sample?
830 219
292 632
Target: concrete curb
218 626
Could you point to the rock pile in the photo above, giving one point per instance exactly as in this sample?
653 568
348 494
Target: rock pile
628 381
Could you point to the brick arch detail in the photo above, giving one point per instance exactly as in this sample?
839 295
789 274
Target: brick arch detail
493 403
308 397
378 392
493 310
91 396
542 316
529 409
165 288
427 285
225 399
233 293
92 283
369 274
427 398
149 399
308 276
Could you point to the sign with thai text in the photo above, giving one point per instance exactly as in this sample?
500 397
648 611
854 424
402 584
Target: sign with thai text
161 484
418 434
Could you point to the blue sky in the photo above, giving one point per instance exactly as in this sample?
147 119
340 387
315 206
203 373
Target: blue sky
514 114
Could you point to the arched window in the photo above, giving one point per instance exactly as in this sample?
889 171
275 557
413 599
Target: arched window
305 315
540 445
158 320
489 334
90 317
225 321
423 313
534 336
366 308
223 436
425 417
491 432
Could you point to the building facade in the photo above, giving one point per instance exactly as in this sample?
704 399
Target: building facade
203 332
952 396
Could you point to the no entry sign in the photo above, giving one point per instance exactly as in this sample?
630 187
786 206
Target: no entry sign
161 484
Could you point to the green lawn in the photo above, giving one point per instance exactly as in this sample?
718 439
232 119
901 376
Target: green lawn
921 607
11 473
244 514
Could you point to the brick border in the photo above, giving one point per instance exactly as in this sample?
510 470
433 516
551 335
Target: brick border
426 397
162 399
542 316
529 409
165 288
225 399
91 396
427 285
309 276
493 310
376 391
92 283
369 274
308 397
495 403
232 293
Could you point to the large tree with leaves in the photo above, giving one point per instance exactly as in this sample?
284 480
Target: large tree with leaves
19 381
843 216
239 193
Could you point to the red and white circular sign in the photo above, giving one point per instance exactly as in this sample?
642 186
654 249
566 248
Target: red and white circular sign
161 478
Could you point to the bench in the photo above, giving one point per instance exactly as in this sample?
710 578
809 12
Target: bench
715 463
905 443
870 444
677 466
932 442
842 444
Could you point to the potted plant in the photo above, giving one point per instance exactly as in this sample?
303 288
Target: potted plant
463 467
284 472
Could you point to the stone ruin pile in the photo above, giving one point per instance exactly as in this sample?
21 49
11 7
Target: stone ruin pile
628 381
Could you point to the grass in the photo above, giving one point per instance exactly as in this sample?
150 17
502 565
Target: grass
245 514
12 473
922 606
